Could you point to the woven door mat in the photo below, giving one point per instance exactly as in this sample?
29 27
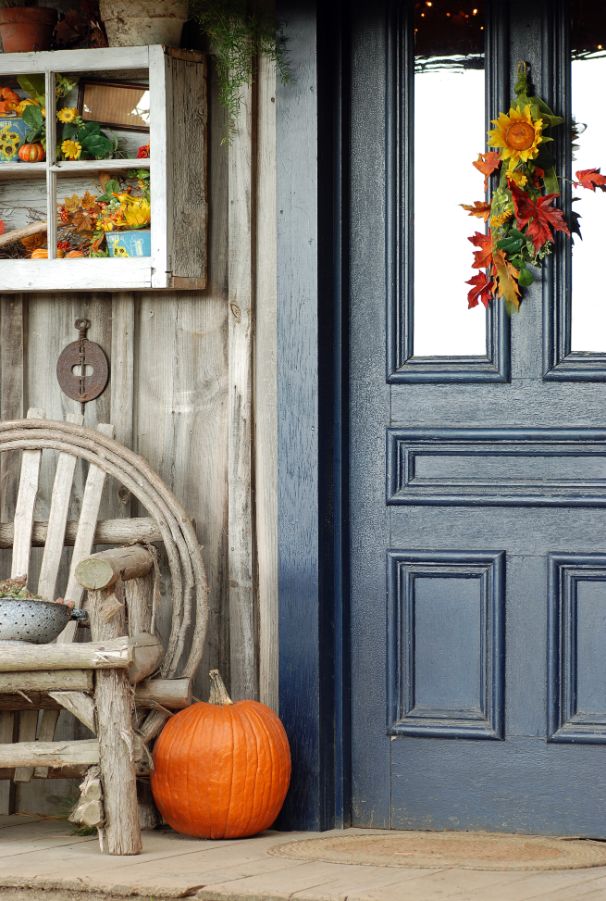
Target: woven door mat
461 850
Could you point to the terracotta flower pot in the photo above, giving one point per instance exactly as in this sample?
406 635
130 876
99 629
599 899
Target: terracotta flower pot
130 23
24 28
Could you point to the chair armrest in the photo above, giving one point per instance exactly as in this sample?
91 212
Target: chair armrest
104 569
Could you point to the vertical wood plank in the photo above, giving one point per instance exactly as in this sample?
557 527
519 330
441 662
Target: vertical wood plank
91 501
57 519
26 501
12 406
243 622
188 211
265 384
122 367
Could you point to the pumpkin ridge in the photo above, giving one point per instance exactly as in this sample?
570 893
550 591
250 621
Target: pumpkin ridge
269 739
253 815
193 735
230 711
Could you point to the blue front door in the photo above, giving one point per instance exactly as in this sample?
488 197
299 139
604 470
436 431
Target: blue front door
477 443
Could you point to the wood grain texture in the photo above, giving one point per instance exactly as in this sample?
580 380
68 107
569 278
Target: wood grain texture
114 709
17 656
243 622
265 384
12 406
187 157
298 423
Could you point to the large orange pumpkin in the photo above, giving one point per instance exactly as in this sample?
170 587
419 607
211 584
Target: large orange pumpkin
221 770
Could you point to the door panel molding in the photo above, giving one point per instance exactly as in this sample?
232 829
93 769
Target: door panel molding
402 365
510 467
577 599
446 643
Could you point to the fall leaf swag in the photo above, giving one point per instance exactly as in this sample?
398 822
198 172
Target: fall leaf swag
521 216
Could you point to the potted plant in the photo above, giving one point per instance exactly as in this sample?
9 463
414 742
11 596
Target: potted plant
25 616
25 27
129 23
236 37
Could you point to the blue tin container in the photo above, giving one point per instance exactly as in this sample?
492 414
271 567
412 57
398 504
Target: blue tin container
135 243
12 136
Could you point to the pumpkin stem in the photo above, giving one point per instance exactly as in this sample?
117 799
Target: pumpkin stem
218 691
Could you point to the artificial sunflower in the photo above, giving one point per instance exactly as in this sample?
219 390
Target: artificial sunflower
517 135
71 150
67 114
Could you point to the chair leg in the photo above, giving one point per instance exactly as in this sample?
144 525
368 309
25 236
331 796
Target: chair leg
113 703
114 709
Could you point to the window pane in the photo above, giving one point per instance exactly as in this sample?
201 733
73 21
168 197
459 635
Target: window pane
449 132
588 76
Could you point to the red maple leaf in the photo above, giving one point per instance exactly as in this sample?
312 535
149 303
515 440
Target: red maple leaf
482 258
590 179
487 163
538 215
482 290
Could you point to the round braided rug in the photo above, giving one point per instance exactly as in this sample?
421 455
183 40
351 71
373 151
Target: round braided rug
461 850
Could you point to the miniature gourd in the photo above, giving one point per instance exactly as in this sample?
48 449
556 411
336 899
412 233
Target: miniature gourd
31 153
222 769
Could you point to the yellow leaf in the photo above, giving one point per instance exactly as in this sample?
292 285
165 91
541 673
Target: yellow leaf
507 280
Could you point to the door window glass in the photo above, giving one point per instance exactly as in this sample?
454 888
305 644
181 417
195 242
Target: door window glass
449 131
588 303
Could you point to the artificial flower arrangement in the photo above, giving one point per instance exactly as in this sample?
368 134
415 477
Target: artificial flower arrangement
76 138
521 214
122 206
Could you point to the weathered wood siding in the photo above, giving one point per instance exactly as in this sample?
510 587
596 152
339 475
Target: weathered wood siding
182 393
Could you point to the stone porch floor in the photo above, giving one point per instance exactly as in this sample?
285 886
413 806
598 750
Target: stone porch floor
45 861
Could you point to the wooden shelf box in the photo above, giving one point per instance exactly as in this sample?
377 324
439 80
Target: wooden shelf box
175 110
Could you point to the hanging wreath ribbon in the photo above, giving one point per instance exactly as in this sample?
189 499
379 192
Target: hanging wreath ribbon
521 215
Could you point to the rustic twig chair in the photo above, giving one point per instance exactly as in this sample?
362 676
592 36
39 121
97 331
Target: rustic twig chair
105 683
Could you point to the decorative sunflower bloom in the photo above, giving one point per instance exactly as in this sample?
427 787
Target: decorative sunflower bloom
71 150
137 213
518 178
517 135
500 219
67 114
120 250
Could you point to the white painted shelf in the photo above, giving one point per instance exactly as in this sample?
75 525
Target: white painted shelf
177 166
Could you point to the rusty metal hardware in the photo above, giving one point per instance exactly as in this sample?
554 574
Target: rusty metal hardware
74 363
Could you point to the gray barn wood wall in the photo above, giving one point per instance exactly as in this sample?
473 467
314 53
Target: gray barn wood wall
192 390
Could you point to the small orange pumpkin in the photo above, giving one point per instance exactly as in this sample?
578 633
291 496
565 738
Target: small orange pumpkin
31 153
221 770
72 254
41 253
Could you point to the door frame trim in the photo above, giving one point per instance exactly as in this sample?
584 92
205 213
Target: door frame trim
312 436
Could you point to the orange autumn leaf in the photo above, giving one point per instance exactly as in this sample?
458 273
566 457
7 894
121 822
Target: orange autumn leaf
482 258
591 179
487 163
478 208
507 280
33 242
